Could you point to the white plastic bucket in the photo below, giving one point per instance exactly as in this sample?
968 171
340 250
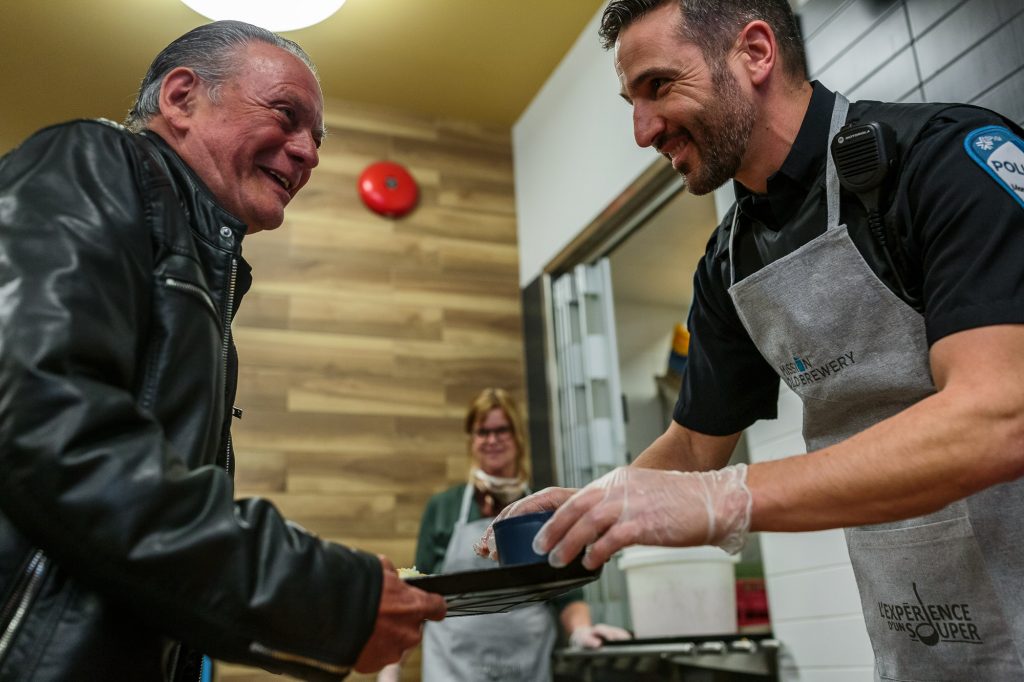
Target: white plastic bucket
678 591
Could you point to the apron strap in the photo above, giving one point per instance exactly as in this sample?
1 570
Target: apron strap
839 112
467 495
732 240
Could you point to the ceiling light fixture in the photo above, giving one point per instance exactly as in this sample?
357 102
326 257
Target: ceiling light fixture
284 16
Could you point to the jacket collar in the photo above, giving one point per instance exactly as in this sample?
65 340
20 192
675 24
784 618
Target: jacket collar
205 212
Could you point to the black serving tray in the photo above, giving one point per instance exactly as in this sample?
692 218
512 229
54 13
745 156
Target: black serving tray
497 590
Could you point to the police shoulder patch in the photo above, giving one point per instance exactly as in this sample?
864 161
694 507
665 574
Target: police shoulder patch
1001 154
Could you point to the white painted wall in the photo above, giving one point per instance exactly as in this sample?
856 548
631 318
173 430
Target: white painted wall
644 334
574 153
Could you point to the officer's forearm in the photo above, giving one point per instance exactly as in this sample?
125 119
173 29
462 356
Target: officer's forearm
966 437
682 449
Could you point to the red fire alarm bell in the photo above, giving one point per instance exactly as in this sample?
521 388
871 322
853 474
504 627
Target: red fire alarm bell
388 189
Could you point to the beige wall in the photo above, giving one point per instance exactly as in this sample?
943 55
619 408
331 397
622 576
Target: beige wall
363 337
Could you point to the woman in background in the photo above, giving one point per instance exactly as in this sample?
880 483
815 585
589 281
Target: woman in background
507 647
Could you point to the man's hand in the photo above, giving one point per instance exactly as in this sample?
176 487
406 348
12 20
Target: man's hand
400 617
637 506
545 500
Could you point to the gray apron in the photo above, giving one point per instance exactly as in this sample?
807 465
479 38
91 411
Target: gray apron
940 593
510 647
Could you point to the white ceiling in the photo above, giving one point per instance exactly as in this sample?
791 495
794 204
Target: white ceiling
474 60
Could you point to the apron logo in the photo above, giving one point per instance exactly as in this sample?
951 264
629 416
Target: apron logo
1001 154
802 371
930 624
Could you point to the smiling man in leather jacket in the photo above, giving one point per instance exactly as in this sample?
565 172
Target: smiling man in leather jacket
123 554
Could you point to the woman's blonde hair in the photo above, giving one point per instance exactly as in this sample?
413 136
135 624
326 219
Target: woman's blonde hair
487 400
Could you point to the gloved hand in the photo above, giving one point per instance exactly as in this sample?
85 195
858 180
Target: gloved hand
593 636
392 672
638 506
544 500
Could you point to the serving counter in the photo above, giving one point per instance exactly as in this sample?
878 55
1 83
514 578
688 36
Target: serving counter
683 659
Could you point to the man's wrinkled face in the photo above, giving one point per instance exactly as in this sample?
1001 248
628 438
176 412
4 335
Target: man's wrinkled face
696 116
255 142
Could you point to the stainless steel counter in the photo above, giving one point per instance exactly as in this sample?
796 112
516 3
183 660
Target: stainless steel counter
717 659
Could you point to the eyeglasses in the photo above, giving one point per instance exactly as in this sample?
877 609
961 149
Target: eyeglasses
500 432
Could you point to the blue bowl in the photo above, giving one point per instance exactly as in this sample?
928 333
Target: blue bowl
514 538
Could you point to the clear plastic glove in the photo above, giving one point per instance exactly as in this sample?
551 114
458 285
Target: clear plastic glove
544 500
638 506
390 673
593 636
400 616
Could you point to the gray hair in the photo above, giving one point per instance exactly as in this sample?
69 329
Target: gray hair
712 25
210 51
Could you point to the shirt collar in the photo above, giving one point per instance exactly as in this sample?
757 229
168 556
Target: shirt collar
788 186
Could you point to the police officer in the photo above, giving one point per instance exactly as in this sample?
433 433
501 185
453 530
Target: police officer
895 314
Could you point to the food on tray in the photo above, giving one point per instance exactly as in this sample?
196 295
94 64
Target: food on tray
405 573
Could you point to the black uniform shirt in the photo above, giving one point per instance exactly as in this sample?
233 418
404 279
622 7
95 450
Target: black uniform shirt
961 232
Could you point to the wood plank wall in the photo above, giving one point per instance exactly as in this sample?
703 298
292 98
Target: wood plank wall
363 338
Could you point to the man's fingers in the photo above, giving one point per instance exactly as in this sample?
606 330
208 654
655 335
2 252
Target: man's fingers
436 608
486 546
545 500
565 516
482 546
611 633
617 536
598 516
421 605
400 616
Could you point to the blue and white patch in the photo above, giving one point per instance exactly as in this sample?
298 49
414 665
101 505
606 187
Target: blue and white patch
1001 154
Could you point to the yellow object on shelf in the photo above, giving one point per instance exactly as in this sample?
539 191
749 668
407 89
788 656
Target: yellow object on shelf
680 349
680 340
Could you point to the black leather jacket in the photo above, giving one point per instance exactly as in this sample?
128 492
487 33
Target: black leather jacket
119 535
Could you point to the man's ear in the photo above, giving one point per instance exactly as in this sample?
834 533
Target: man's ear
179 93
757 47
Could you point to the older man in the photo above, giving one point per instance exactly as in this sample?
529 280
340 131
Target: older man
122 552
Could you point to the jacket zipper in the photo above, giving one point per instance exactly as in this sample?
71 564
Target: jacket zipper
197 291
257 648
226 347
31 580
224 353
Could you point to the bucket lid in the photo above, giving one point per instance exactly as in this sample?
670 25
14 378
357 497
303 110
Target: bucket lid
645 555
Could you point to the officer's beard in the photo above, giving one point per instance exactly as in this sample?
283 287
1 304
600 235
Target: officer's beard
721 133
